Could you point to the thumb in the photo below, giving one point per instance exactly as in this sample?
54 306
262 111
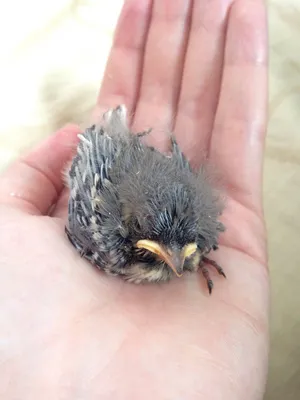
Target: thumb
34 182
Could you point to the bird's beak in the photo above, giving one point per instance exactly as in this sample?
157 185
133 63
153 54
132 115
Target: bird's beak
174 258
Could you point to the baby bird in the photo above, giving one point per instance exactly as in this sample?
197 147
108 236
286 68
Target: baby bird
136 212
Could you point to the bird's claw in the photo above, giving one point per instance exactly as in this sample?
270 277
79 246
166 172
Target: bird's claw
206 275
215 265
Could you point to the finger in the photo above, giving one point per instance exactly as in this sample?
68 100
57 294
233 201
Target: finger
240 125
201 77
162 71
61 206
33 183
123 70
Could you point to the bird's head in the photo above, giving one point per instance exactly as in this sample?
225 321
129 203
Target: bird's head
171 212
165 225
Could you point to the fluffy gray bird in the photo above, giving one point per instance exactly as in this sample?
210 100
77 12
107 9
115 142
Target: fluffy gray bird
136 212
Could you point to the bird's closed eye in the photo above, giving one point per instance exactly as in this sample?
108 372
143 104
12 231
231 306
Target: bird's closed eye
190 249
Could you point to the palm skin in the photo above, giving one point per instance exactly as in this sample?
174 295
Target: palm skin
69 331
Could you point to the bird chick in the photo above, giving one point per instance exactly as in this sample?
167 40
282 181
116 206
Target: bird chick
136 212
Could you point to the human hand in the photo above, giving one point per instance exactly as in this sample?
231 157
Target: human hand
69 331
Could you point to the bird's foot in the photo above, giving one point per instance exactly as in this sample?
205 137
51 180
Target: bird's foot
205 272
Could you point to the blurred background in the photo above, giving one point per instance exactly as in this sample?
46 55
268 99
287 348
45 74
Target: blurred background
52 59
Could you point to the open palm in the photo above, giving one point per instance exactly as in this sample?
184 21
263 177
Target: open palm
69 331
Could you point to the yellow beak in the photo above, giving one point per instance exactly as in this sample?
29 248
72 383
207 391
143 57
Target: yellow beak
174 258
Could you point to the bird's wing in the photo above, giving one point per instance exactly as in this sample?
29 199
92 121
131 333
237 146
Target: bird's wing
96 153
92 195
